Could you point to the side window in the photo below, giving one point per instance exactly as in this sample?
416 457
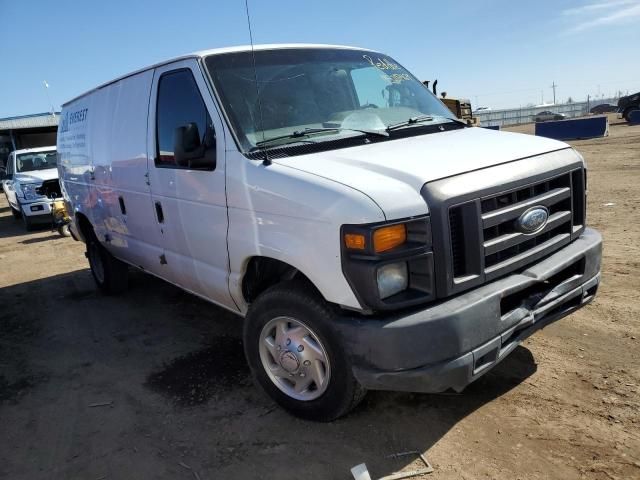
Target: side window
184 132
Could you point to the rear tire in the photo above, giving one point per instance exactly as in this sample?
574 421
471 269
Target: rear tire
628 111
280 321
110 274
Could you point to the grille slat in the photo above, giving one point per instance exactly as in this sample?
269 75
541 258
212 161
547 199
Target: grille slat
530 255
516 238
495 217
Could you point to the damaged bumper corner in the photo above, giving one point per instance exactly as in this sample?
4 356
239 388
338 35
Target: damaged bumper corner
451 344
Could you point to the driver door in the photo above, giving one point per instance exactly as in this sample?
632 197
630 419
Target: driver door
186 166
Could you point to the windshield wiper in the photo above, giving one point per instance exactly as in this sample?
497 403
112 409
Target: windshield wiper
310 131
420 119
410 121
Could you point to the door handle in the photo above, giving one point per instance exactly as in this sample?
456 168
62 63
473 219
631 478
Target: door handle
123 209
159 212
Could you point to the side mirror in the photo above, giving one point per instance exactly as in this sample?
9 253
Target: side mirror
187 144
191 152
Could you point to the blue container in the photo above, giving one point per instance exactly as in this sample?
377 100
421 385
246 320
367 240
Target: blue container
574 129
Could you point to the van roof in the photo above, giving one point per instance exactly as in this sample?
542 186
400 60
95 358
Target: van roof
216 51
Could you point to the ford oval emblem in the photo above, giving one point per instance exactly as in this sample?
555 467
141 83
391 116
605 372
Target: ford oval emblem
532 220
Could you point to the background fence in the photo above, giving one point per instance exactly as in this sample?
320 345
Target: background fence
517 116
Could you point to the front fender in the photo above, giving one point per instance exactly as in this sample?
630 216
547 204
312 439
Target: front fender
295 217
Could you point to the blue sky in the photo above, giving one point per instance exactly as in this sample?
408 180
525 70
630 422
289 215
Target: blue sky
498 53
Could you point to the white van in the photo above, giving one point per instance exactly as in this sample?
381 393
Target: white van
25 171
369 239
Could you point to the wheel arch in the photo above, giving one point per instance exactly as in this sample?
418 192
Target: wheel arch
262 272
84 227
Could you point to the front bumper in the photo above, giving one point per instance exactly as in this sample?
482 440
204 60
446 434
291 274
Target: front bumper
37 209
450 344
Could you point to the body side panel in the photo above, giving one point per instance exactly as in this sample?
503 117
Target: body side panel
104 157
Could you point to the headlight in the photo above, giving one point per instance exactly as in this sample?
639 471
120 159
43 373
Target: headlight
389 265
392 278
29 190
383 239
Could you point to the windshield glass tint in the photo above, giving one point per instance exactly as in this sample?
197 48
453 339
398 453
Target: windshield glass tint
28 162
317 88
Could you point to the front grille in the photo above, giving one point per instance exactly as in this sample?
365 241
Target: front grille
502 247
503 242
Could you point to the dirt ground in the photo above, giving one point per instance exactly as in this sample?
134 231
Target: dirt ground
153 383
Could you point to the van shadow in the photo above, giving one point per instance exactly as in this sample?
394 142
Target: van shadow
189 353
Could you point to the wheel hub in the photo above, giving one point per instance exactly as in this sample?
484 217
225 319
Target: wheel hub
289 361
294 358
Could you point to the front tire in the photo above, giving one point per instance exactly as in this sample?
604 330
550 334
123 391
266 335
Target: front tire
295 355
16 213
110 274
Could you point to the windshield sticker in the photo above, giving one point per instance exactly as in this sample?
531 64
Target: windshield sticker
396 77
382 64
386 66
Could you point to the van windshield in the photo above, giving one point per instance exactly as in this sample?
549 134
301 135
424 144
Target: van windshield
29 162
331 93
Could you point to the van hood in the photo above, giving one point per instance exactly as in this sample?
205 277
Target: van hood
392 172
36 176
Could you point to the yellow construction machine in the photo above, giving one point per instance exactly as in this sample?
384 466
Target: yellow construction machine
460 107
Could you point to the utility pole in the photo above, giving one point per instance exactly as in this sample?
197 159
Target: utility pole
553 86
46 89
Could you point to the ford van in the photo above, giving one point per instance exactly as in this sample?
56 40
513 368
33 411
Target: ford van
366 237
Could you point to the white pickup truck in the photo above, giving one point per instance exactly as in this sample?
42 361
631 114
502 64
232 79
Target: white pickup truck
25 171
368 238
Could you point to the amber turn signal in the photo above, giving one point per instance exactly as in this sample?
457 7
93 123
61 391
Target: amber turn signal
354 241
386 238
